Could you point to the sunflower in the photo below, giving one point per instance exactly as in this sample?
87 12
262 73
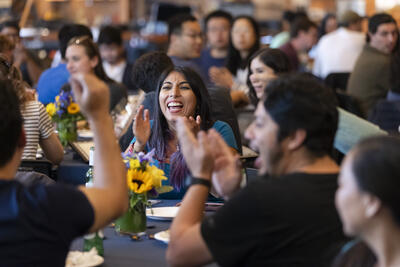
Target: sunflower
139 182
73 108
51 109
157 175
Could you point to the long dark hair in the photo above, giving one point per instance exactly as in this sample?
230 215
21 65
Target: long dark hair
273 58
376 170
92 51
161 134
234 60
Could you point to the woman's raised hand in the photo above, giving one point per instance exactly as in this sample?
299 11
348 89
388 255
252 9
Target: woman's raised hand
221 77
141 128
194 125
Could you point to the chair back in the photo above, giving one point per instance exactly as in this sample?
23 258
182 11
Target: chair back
337 80
40 165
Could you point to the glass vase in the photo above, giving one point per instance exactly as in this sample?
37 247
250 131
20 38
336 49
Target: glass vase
133 221
67 131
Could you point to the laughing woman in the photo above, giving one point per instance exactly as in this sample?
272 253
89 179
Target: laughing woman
180 93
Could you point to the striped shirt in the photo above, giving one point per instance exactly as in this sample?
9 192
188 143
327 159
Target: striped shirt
38 126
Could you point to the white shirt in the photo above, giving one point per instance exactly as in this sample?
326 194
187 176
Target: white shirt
115 72
338 51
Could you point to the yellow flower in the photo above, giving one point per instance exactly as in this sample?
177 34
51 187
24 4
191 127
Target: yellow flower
73 108
139 182
157 175
134 163
57 98
51 109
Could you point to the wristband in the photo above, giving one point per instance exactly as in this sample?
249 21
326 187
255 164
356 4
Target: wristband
201 181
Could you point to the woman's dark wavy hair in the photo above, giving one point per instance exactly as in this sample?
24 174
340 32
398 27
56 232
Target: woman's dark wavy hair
376 169
234 60
92 51
273 58
301 101
161 134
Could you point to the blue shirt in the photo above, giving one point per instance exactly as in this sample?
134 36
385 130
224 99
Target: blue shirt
39 222
222 128
50 83
206 61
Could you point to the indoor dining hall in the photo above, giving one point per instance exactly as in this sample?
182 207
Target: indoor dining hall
199 133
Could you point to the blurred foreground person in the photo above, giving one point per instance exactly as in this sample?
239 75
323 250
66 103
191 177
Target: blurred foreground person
39 222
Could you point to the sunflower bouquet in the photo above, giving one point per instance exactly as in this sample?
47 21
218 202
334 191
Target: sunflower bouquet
65 113
144 180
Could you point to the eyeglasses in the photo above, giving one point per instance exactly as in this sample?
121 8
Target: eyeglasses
79 40
193 35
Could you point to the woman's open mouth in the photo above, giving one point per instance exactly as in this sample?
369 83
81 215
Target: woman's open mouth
175 107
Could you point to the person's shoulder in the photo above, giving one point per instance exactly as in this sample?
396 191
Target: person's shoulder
221 126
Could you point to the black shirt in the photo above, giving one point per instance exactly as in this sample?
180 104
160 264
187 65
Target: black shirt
38 223
286 221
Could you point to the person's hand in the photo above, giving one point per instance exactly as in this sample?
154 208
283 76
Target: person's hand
194 125
141 128
227 176
19 54
197 152
221 77
91 94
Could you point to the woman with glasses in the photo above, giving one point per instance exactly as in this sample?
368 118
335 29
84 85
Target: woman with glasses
82 56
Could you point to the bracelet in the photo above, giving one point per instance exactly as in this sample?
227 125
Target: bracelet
201 181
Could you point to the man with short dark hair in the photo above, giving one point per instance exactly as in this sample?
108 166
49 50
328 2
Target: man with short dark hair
370 80
51 80
22 59
287 217
39 222
338 51
185 42
112 52
217 26
303 36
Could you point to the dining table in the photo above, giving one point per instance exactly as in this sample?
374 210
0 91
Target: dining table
123 250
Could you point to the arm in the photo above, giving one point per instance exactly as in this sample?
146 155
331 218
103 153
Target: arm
108 197
141 129
52 148
48 140
187 246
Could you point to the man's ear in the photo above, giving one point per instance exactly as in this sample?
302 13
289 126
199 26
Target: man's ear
296 139
22 139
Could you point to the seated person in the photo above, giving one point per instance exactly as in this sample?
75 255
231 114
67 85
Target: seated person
181 93
38 126
113 55
145 74
386 113
39 222
83 56
285 218
368 203
52 79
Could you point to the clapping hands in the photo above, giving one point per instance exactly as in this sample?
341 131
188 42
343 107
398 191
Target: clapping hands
141 128
209 156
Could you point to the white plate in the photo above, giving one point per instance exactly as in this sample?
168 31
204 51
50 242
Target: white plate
85 134
162 236
162 213
83 259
